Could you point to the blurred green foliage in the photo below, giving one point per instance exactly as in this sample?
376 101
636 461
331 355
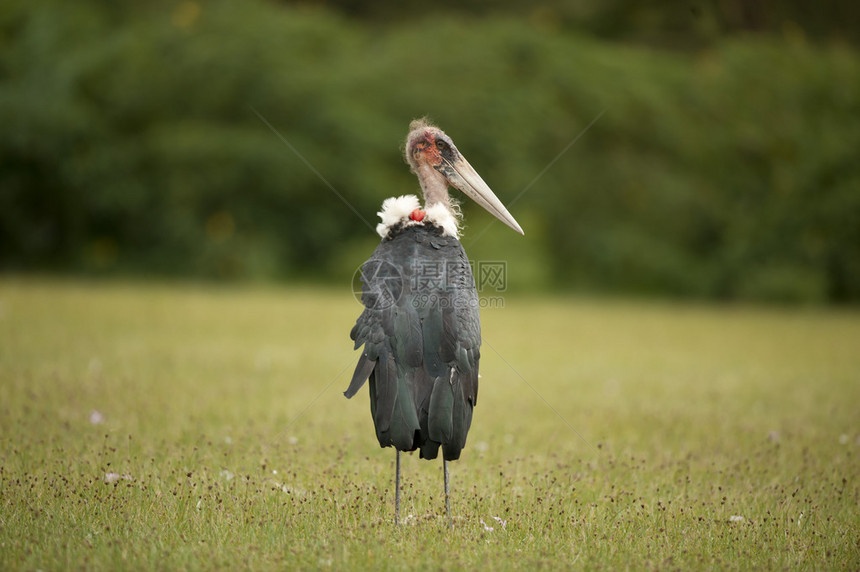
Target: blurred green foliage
130 143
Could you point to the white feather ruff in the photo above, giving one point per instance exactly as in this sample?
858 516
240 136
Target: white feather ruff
442 216
397 210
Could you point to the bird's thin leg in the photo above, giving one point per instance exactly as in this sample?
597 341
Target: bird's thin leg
397 490
447 492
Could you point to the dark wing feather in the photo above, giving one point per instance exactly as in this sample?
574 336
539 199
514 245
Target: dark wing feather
440 416
431 330
407 336
363 369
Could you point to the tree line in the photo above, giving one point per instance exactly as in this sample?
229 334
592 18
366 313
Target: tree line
257 141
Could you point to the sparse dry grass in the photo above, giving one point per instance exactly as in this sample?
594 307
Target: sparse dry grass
151 427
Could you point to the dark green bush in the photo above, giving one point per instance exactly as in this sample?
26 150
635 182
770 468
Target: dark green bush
130 143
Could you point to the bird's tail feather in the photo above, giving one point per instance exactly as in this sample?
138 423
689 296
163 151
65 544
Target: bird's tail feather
404 417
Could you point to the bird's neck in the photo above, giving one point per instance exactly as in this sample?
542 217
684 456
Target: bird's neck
434 186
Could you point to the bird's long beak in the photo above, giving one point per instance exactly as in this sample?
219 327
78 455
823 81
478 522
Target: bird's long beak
461 175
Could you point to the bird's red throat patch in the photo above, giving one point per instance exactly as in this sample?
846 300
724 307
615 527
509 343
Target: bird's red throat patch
417 215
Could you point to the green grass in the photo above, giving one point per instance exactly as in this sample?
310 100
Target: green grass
607 435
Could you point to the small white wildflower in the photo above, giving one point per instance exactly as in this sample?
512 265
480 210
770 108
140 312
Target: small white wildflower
127 477
487 528
227 475
199 504
111 477
285 488
500 521
736 518
274 471
228 440
799 518
96 418
292 440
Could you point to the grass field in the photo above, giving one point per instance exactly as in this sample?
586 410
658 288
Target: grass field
155 427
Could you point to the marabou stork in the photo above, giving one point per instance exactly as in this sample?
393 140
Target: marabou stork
420 327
